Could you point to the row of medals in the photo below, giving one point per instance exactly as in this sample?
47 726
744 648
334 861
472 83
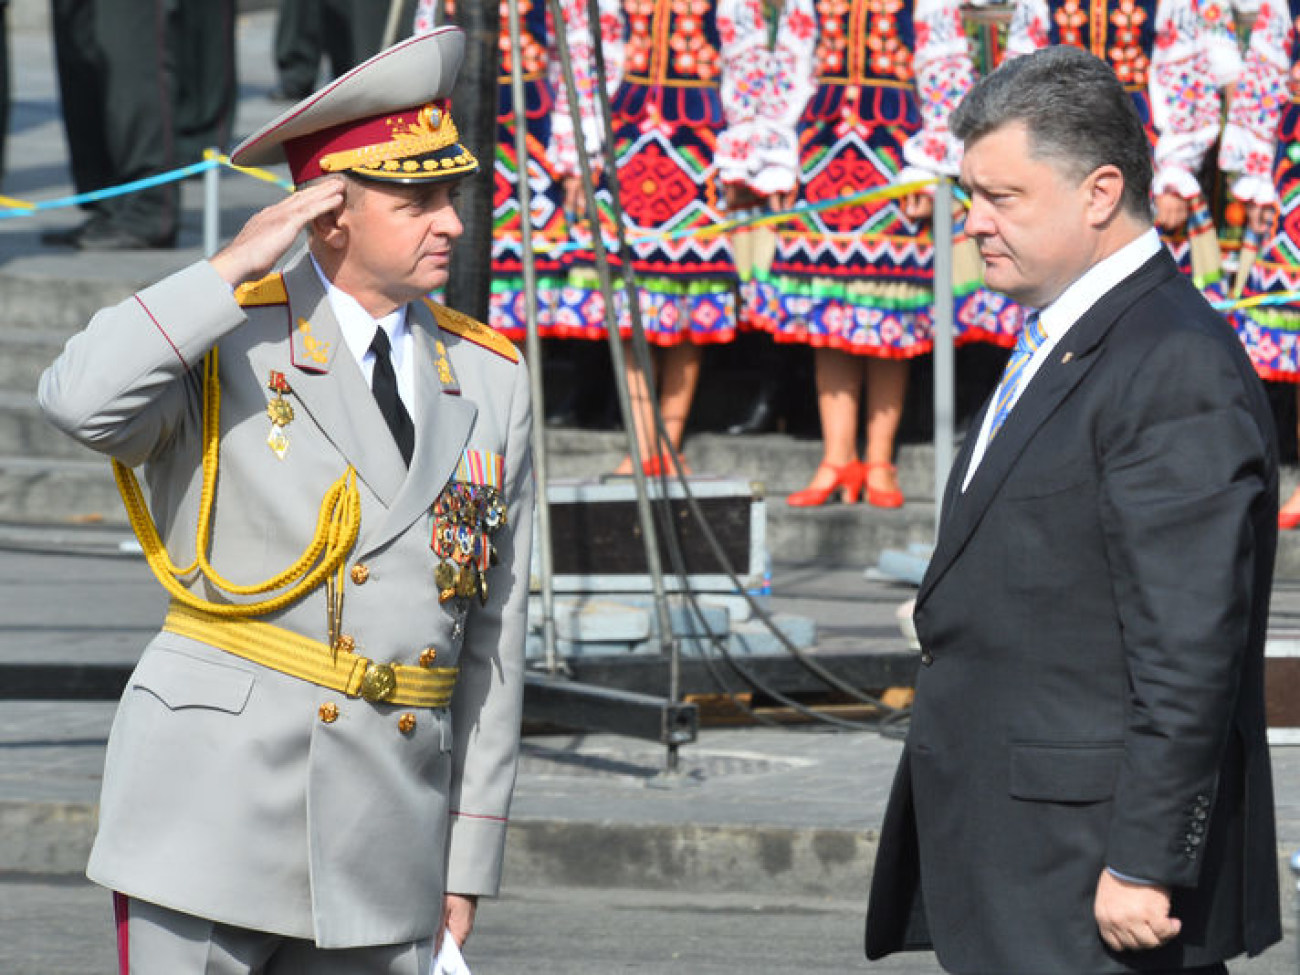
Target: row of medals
465 517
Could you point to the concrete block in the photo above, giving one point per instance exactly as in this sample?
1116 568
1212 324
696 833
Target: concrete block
535 647
600 620
738 607
753 638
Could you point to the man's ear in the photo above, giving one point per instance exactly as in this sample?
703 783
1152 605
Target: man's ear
331 228
1105 194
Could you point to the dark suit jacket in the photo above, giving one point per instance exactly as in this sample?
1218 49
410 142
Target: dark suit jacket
1091 692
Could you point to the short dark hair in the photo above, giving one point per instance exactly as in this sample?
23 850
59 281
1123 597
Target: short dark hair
1075 111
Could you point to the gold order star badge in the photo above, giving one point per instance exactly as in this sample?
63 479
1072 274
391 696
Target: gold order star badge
280 410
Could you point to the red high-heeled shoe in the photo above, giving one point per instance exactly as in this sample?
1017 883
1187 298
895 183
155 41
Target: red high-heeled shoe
1287 520
880 499
848 482
663 464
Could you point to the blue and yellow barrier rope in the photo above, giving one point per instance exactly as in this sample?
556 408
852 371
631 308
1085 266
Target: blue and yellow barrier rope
10 208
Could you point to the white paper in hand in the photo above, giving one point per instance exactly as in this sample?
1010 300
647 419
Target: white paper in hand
449 961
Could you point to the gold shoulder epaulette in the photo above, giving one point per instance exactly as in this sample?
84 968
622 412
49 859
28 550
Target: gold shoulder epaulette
475 331
268 291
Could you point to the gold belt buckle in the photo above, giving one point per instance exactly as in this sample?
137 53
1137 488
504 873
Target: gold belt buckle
378 683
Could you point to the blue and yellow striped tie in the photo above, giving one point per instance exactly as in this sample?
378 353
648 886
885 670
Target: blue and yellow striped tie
1031 337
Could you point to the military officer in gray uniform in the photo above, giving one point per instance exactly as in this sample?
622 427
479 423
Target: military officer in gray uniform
311 767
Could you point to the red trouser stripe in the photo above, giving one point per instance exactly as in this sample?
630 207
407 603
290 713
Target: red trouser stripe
123 953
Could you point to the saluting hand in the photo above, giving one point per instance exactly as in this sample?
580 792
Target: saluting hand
1133 917
271 231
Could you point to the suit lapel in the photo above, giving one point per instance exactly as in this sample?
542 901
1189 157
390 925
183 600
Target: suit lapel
442 428
329 383
1070 361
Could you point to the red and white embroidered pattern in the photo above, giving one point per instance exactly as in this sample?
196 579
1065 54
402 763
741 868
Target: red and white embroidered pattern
764 90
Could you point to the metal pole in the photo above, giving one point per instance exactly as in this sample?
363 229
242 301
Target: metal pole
393 23
534 342
474 105
645 517
944 368
642 350
211 205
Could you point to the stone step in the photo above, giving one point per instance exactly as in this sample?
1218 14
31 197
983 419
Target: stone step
45 303
46 492
779 463
24 431
24 355
51 491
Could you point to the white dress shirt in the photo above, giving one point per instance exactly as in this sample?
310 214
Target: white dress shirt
359 331
1059 317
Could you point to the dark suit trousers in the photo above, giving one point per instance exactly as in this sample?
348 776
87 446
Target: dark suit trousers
203 46
115 86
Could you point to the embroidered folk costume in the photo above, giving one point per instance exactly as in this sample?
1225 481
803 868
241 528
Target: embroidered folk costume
668 115
552 148
858 278
1170 56
1261 145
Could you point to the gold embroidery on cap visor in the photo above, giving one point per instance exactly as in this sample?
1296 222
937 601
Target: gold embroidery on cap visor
425 149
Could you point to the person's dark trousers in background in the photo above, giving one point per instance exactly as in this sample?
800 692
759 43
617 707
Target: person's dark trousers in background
345 31
206 86
115 87
297 48
4 81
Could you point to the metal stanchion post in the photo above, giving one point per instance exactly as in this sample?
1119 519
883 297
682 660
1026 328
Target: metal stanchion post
944 368
545 559
211 205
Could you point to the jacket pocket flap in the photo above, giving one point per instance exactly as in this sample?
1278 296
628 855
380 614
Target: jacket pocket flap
182 681
1065 772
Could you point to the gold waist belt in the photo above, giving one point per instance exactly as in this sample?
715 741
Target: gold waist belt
310 660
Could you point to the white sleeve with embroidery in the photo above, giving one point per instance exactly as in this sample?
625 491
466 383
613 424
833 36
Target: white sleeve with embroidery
944 73
1185 108
1250 136
764 92
1029 28
562 150
1219 23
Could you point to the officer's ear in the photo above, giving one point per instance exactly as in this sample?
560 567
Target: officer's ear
331 228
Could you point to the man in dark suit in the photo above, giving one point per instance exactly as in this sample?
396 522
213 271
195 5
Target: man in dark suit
1085 785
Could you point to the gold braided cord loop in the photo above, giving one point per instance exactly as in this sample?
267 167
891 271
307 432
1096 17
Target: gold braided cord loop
337 527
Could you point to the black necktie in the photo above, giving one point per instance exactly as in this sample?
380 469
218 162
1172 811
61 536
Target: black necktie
384 384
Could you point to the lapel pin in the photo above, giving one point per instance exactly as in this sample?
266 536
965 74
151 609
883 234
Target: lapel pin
1067 357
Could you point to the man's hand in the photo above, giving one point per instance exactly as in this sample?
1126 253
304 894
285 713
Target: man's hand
1133 917
272 231
457 917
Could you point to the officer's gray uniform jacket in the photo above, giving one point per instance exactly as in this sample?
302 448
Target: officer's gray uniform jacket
226 794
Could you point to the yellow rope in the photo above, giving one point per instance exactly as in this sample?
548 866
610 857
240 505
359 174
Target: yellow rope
336 531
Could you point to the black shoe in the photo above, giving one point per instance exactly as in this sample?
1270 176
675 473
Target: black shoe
762 417
108 236
69 236
287 93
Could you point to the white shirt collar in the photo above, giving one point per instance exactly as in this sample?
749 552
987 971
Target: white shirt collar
357 324
358 329
1059 317
1074 302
